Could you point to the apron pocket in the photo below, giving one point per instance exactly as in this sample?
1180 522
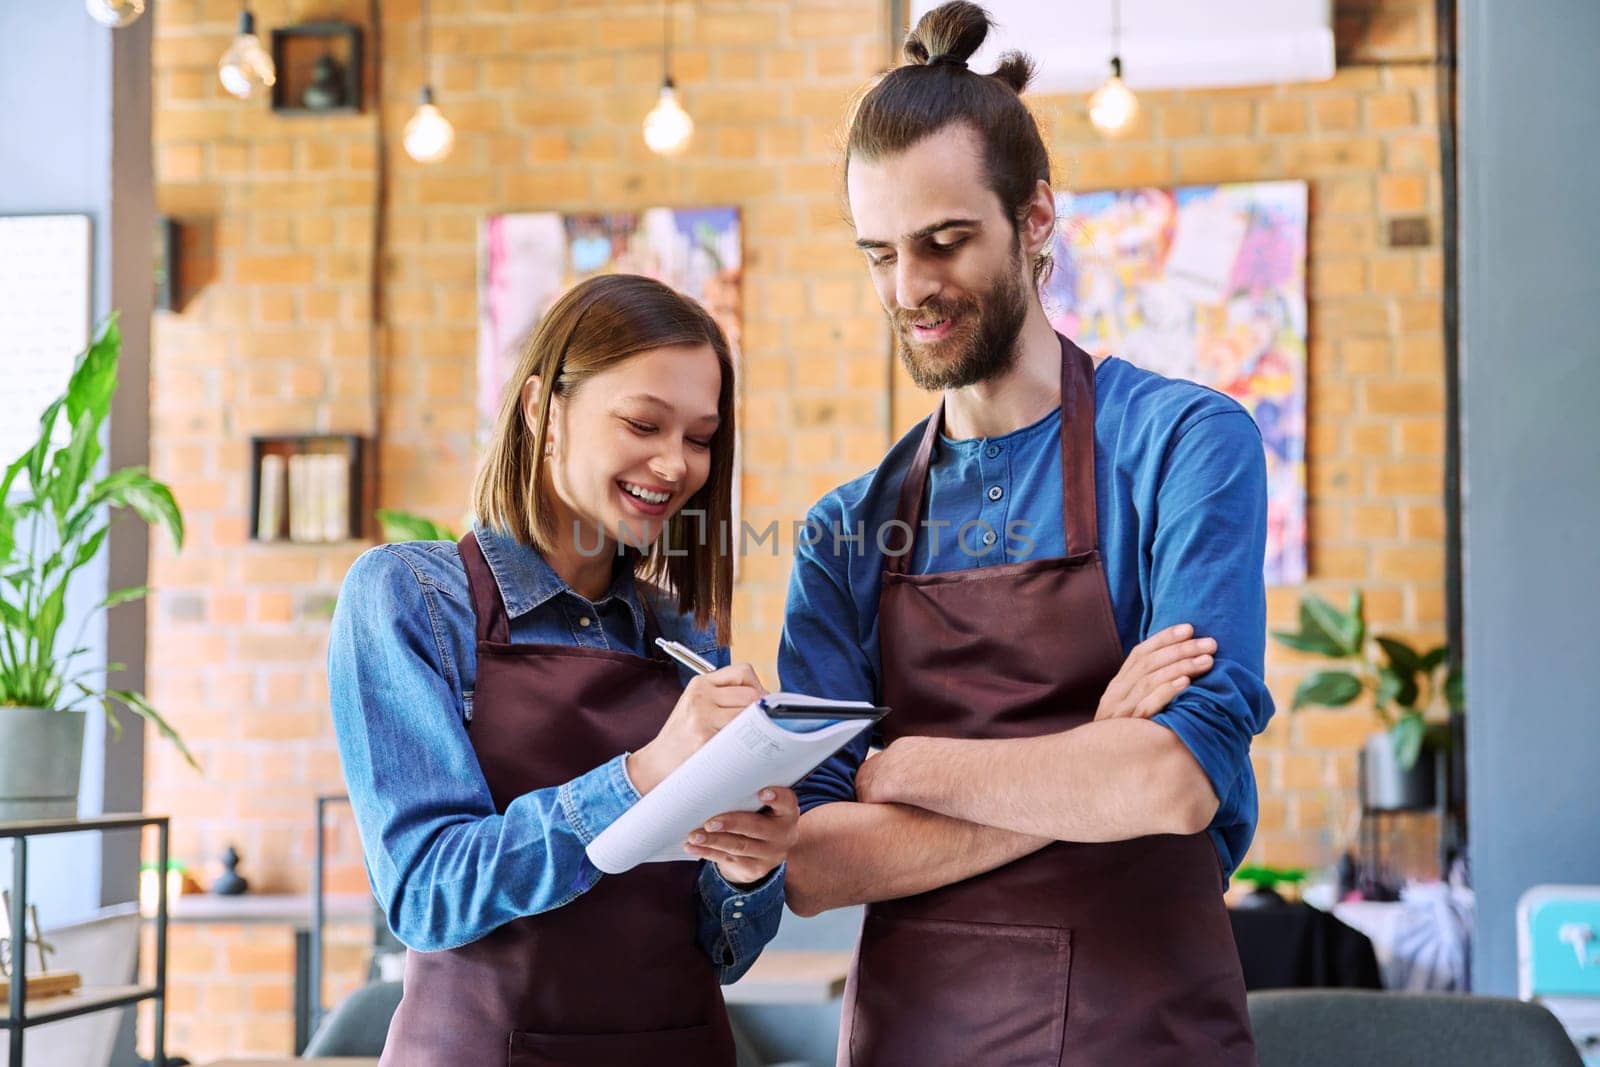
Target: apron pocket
935 991
689 1046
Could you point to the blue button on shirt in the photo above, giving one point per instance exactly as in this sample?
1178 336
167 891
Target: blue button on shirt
446 867
1180 485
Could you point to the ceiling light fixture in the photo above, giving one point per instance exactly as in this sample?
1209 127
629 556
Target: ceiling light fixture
428 135
114 13
668 127
1113 107
245 68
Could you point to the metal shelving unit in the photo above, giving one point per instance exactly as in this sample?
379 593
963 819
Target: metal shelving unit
15 1015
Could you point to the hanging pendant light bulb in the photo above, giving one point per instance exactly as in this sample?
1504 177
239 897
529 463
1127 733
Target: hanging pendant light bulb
114 13
429 135
668 128
1113 107
245 68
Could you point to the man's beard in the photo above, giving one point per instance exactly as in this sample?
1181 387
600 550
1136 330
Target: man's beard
983 344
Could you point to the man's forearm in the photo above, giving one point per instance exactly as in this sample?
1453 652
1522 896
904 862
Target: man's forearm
860 853
1105 781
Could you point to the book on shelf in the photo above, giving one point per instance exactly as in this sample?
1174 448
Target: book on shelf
270 492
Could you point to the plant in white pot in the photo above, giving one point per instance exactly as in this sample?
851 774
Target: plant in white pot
1405 685
55 513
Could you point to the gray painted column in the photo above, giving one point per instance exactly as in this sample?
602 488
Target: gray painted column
1530 344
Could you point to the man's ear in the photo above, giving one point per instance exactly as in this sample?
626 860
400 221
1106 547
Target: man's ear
1039 224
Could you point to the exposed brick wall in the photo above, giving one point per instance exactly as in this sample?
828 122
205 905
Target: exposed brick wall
278 335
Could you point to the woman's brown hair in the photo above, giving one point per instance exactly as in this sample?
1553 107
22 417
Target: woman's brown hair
595 325
934 89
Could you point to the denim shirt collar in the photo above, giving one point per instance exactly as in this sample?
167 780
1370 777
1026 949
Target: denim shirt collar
527 580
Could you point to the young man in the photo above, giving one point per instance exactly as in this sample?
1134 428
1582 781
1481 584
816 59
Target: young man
1057 510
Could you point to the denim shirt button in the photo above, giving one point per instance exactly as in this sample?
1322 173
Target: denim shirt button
738 915
988 537
992 451
584 620
996 492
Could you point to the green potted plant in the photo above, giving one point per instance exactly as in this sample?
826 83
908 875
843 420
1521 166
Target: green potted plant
1404 685
55 513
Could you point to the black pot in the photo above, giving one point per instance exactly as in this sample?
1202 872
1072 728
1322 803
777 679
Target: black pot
1385 787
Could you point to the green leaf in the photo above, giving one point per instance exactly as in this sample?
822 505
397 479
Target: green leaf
1455 690
1327 689
34 458
88 549
1356 617
141 707
1396 687
1402 657
1342 631
122 596
94 378
1316 643
1406 736
404 526
71 466
1431 661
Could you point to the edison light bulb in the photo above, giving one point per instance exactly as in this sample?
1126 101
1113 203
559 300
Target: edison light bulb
1112 107
114 13
668 127
246 68
429 135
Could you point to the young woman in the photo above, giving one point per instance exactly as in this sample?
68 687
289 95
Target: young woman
500 701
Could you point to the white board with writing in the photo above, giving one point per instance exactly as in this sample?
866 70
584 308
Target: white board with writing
44 318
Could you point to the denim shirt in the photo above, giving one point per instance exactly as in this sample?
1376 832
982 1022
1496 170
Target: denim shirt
446 867
1181 503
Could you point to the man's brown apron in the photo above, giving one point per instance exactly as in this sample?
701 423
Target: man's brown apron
614 976
1087 955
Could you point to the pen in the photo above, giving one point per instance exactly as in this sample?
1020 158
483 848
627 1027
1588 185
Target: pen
682 654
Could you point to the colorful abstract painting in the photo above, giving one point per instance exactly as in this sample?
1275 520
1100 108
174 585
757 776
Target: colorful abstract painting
530 259
1207 283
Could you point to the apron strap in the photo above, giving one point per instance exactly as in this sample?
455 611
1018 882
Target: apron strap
652 627
909 510
1079 521
489 607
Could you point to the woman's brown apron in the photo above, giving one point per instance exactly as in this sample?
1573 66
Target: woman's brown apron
1086 955
615 975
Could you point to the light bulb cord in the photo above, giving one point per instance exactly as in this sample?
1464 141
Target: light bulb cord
666 43
427 57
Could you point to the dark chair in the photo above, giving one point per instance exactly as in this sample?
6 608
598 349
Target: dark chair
1337 1028
359 1024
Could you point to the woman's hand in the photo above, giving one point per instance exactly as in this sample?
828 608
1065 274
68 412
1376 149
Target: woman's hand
747 846
709 702
1158 669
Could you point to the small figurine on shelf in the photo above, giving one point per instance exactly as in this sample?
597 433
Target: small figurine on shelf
326 90
229 884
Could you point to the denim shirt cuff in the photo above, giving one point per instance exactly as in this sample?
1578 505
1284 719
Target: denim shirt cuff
593 801
749 917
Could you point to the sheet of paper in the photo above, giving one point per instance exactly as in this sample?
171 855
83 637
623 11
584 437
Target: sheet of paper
726 774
